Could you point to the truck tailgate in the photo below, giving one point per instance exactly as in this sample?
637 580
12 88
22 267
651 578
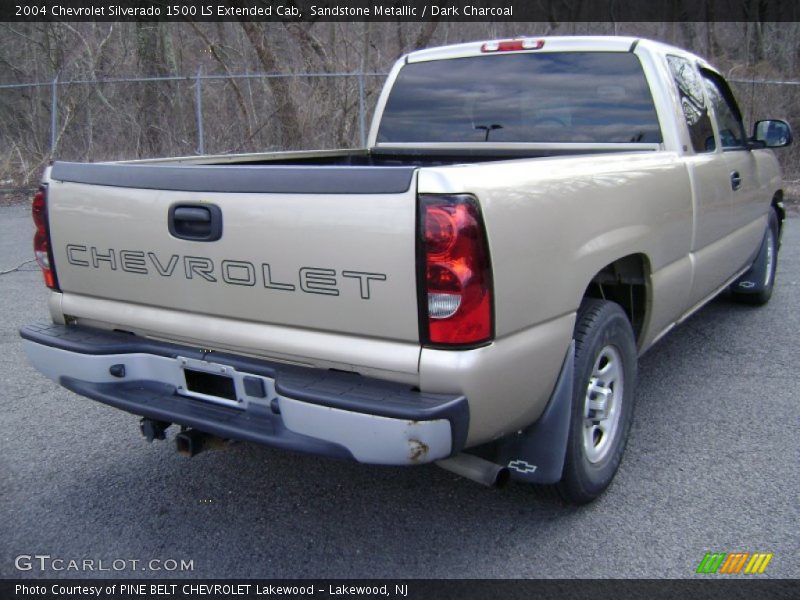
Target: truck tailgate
290 253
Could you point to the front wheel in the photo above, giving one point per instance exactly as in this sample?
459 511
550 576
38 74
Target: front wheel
602 402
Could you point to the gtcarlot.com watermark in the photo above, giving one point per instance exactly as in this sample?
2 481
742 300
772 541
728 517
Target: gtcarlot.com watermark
46 563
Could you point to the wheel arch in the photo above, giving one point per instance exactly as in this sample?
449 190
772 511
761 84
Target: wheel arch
625 281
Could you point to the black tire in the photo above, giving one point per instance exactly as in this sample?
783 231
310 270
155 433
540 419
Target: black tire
755 286
602 333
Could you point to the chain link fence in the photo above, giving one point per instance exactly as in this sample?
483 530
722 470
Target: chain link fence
140 117
128 118
774 99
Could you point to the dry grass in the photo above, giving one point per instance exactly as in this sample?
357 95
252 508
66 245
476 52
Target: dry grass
16 197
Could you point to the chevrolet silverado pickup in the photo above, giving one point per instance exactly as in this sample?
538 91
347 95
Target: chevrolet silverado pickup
472 289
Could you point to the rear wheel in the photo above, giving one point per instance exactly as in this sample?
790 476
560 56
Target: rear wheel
602 402
755 286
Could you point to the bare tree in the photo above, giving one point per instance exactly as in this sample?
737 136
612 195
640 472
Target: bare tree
141 119
286 111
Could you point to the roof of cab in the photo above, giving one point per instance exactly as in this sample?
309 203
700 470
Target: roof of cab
551 44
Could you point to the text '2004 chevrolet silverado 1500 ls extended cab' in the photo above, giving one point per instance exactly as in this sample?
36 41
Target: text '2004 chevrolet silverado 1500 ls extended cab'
472 289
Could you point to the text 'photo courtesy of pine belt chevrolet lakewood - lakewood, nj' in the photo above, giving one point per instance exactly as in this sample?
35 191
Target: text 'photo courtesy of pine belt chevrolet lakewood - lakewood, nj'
473 288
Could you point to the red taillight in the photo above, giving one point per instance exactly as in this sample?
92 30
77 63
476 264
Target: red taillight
455 280
513 45
41 239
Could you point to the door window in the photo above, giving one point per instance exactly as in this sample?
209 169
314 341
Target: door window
731 130
693 103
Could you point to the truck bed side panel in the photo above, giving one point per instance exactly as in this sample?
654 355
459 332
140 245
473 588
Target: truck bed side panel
555 223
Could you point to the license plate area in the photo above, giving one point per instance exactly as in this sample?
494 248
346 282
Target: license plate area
209 381
210 384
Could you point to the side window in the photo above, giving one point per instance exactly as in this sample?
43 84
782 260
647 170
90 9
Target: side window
731 131
693 104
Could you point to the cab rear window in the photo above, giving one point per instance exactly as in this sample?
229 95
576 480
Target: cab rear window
571 97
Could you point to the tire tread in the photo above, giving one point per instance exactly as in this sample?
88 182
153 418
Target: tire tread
590 316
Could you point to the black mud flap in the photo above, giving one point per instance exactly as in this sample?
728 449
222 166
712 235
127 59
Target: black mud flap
752 282
537 453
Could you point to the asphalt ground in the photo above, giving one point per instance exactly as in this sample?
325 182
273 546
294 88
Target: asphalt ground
713 464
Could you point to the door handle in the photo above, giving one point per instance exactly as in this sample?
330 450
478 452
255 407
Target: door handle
736 180
195 222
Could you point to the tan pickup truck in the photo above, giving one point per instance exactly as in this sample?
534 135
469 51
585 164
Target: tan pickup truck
472 289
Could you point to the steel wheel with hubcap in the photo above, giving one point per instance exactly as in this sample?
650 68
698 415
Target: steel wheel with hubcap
602 404
605 372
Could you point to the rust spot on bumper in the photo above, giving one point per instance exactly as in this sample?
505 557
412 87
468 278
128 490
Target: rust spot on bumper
418 450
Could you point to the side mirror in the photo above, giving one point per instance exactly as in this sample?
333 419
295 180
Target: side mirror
772 133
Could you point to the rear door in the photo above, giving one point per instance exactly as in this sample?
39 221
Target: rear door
709 175
723 176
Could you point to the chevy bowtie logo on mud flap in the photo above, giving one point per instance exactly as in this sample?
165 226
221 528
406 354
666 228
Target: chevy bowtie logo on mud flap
521 466
311 280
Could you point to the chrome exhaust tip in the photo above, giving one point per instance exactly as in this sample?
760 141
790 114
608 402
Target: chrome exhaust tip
477 469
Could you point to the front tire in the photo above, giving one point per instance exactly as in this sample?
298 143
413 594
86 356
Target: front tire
602 402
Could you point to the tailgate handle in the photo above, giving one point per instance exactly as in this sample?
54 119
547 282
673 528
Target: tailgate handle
197 215
195 222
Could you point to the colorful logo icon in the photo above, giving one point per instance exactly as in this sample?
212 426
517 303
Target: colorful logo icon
722 563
